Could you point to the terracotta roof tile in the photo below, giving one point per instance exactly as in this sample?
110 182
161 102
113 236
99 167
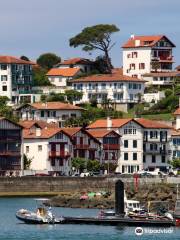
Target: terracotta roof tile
177 112
55 106
76 61
45 133
65 72
146 123
116 123
178 68
71 131
175 132
115 76
11 59
101 133
143 39
42 124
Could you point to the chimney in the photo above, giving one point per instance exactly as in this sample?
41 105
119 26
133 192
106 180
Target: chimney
109 123
137 42
38 132
132 36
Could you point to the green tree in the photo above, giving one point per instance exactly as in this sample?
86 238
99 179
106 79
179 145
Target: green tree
73 95
96 37
93 165
7 111
48 60
79 163
27 162
24 58
40 78
56 97
109 166
175 163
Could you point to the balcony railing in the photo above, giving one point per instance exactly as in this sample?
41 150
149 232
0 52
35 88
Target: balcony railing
59 154
10 153
111 146
82 146
149 151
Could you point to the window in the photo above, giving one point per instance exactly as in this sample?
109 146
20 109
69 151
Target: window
27 149
141 65
3 77
42 113
125 156
4 88
153 134
126 143
132 66
144 158
4 67
134 143
134 156
39 148
153 158
134 54
130 130
163 158
53 162
59 136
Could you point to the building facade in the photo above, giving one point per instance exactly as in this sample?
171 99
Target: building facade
146 54
122 91
11 145
57 112
16 79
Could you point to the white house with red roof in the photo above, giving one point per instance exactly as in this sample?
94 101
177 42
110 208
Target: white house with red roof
16 79
51 112
148 55
61 77
122 90
144 143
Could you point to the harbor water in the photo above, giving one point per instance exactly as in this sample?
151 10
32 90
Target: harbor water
12 228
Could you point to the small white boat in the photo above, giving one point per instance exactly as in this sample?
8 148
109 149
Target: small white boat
42 215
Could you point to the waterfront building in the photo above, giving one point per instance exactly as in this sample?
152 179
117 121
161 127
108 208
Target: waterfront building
110 145
16 79
144 143
122 91
57 112
10 147
147 55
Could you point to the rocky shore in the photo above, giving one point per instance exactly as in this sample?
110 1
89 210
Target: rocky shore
154 192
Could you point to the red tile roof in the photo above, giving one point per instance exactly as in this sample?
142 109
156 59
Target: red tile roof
177 112
101 133
65 72
42 124
76 61
115 76
178 68
146 123
11 59
54 106
116 123
71 131
143 39
45 133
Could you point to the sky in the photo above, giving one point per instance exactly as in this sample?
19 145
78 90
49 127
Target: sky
34 27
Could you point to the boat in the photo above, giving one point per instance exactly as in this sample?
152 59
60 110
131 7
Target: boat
42 214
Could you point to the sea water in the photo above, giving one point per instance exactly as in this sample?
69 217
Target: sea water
12 228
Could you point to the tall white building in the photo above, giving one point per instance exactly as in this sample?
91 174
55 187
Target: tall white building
123 91
16 79
148 54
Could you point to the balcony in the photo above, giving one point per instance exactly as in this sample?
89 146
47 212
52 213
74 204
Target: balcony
59 154
111 146
154 152
82 146
10 153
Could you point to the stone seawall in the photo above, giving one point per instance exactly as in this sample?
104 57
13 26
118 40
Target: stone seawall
70 184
